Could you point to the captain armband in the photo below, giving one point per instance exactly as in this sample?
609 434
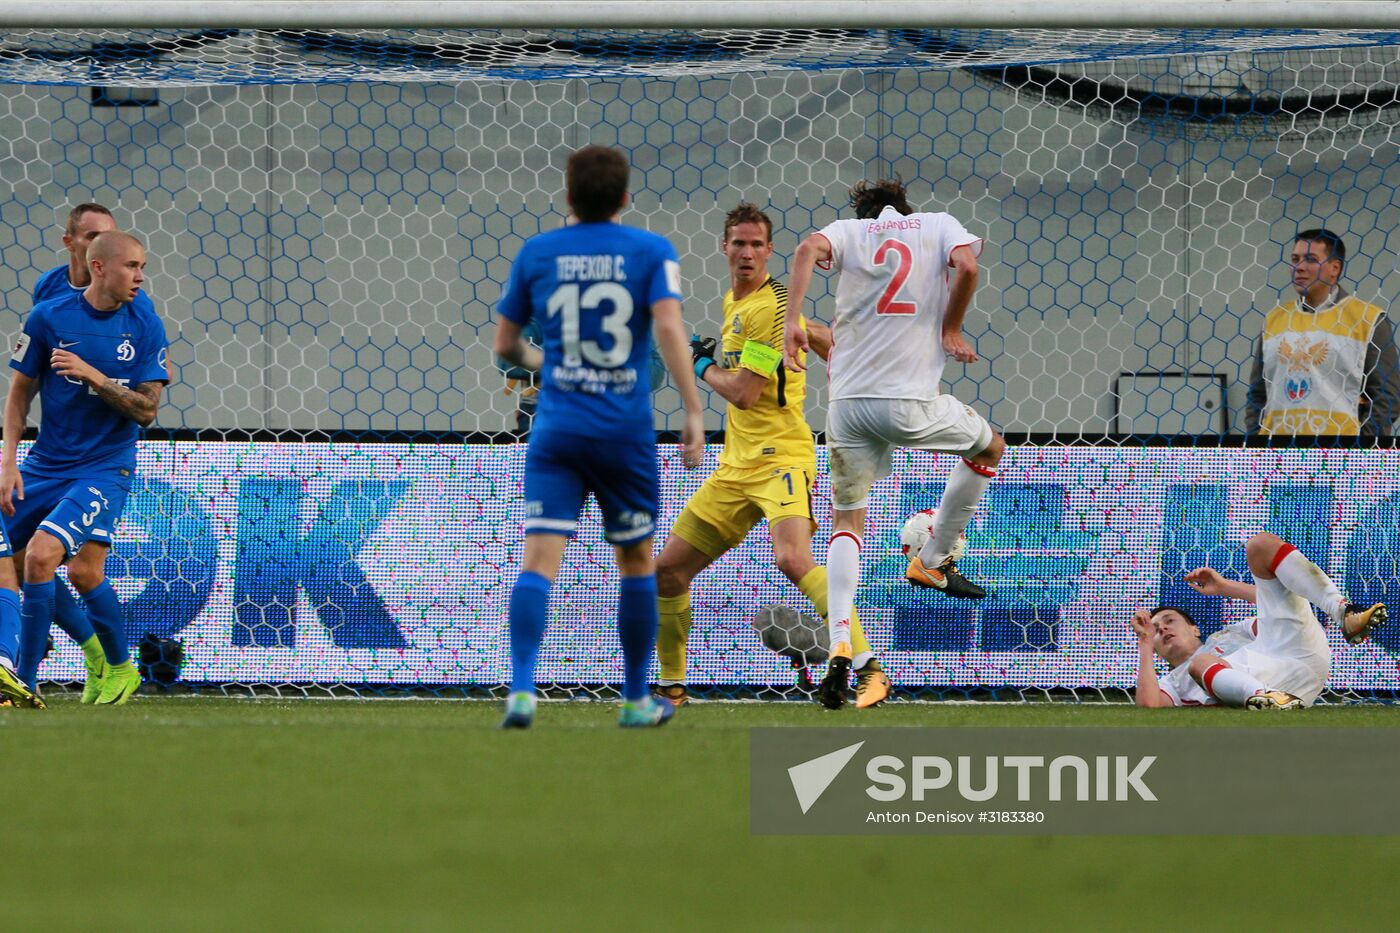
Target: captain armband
760 358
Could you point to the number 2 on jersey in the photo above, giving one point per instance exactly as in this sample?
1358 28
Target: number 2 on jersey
566 301
899 253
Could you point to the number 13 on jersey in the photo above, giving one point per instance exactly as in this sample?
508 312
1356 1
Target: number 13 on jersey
568 302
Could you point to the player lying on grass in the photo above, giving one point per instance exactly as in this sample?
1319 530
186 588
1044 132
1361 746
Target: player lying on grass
1278 660
769 459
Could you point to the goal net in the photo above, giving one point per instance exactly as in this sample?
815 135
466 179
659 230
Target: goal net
332 497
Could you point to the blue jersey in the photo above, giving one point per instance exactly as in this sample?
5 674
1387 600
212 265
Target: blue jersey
591 287
54 284
78 431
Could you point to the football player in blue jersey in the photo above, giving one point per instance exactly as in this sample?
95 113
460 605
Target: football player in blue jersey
98 357
85 221
596 287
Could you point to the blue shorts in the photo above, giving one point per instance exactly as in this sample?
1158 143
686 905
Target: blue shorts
562 469
75 511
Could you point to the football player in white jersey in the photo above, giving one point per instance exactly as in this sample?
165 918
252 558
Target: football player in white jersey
898 318
1279 660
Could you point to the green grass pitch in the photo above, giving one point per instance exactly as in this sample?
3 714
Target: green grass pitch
228 814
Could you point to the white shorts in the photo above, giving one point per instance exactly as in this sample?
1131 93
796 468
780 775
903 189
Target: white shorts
861 433
1289 651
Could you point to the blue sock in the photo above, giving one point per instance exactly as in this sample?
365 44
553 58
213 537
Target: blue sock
70 616
637 618
529 610
36 618
108 621
9 625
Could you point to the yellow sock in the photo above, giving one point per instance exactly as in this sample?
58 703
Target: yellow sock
813 586
672 635
859 643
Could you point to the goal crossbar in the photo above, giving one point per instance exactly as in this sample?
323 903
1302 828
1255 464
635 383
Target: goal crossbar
671 14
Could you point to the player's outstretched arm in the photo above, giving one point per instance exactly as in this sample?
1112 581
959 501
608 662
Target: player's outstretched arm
670 340
1208 582
22 392
1149 693
964 263
512 346
819 339
816 248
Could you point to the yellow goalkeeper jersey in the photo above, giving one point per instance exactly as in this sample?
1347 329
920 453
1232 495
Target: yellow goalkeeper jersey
774 430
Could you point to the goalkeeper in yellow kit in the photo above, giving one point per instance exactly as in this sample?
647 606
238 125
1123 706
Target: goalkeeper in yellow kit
768 464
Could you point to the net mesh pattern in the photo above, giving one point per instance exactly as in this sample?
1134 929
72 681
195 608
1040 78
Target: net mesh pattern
264 56
331 216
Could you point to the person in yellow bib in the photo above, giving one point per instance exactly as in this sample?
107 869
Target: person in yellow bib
1325 363
769 459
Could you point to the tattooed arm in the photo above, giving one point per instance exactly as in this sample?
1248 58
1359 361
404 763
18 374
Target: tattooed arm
138 403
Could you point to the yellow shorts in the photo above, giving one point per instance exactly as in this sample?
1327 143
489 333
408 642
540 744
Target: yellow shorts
731 501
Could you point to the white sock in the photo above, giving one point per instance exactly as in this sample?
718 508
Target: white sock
966 485
862 659
1308 580
842 578
1230 685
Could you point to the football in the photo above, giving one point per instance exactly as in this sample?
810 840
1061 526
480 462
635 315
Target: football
918 529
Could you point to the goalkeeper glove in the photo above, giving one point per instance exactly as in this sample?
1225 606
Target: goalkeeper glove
702 352
514 373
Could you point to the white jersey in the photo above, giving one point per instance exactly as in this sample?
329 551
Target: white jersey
890 303
1177 683
1284 649
1182 690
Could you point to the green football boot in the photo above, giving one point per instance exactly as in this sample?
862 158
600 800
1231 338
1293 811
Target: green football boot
96 677
520 710
121 682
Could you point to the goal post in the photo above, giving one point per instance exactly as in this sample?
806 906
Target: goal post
331 204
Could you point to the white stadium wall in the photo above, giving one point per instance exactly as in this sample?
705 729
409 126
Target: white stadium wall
327 256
